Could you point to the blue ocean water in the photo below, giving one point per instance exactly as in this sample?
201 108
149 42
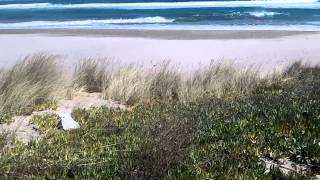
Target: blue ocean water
161 14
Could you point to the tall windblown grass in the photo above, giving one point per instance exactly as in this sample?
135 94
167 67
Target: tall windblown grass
29 82
33 80
132 84
90 75
219 80
3 141
6 140
129 85
166 82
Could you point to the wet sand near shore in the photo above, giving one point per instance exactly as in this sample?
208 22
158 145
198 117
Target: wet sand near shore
162 34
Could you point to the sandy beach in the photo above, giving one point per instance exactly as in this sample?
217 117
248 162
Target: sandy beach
160 89
267 49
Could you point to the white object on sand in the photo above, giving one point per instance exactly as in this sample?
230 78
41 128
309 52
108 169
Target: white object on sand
66 122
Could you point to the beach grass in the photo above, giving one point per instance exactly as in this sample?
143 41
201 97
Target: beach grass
133 84
90 74
216 123
128 85
28 84
3 141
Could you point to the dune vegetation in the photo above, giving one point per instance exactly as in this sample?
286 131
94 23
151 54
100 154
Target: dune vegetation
218 122
132 84
28 85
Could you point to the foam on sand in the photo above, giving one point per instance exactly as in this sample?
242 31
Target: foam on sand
166 24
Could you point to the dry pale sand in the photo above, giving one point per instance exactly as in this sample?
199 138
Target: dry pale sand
268 49
24 131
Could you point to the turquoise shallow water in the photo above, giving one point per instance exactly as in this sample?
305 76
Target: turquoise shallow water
161 14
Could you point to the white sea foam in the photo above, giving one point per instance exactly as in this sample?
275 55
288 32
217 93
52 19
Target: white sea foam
308 4
85 23
311 27
88 24
261 14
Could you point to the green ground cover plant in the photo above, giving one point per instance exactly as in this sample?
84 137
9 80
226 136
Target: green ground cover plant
221 136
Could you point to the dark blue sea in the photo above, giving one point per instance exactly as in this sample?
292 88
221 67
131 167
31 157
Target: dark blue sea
161 14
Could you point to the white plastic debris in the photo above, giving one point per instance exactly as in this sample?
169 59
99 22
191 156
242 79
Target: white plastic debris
66 122
285 166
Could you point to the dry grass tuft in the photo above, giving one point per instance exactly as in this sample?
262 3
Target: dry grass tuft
219 80
28 83
166 83
128 85
7 140
90 75
131 84
3 141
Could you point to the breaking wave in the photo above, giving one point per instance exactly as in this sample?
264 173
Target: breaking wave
86 23
261 14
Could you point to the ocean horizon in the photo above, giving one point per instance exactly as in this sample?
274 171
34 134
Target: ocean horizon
297 15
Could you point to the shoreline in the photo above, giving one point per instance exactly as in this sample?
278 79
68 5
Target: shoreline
161 34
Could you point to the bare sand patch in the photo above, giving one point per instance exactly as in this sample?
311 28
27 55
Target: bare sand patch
24 131
268 50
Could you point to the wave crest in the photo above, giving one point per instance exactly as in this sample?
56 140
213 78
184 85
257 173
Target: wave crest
261 14
86 23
